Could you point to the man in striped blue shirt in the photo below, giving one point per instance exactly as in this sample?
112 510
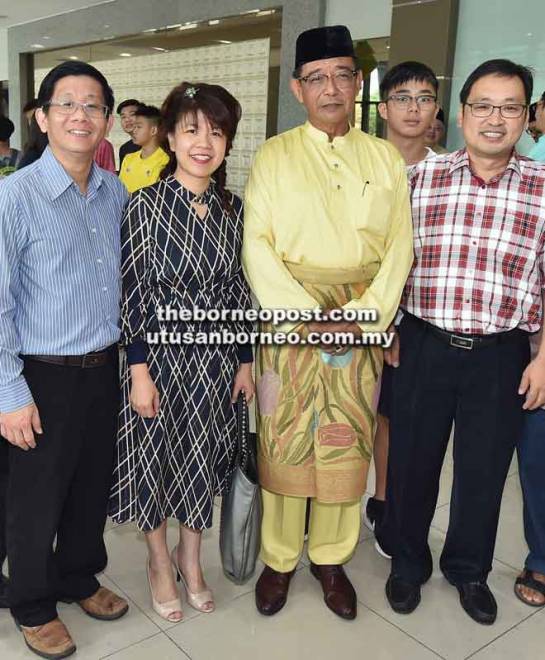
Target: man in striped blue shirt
59 326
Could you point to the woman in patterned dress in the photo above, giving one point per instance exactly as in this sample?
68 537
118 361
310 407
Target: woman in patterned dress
177 432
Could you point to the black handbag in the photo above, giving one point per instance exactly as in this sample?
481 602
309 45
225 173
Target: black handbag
241 508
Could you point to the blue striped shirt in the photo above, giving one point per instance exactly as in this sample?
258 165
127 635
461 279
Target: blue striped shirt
59 268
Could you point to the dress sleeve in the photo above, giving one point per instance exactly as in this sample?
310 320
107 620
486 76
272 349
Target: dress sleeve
135 271
240 295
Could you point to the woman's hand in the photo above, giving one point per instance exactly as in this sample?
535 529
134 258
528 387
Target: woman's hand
144 395
244 382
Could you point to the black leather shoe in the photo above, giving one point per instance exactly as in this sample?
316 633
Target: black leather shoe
478 601
271 591
403 596
3 591
339 594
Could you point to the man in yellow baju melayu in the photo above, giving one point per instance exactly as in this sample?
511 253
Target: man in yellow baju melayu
327 225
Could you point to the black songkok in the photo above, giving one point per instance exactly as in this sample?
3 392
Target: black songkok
322 43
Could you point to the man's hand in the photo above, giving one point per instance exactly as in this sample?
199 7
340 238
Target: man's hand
533 384
391 355
19 426
334 327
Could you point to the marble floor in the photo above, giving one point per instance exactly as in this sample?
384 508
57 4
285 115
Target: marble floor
305 628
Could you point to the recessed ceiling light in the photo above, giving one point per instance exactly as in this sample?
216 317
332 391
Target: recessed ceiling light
162 50
190 26
216 21
125 55
250 11
150 30
223 41
37 46
266 12
106 26
73 57
174 25
46 36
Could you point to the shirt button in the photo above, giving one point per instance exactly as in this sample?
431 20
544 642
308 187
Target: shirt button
99 261
94 230
338 187
105 288
467 300
483 187
473 242
335 164
333 146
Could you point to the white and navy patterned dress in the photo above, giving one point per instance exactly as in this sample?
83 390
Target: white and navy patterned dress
174 464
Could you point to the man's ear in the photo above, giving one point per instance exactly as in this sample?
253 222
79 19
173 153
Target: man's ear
296 90
460 116
41 119
383 110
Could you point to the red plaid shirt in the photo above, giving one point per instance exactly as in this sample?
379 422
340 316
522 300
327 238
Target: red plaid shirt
479 247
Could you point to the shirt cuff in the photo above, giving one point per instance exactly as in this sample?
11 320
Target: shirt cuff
245 353
137 352
15 395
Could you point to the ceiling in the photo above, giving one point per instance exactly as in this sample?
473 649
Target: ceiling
225 30
15 13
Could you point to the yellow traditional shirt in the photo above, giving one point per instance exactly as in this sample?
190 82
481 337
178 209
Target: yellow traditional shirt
341 204
137 172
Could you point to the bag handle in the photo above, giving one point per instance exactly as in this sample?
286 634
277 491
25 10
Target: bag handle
243 435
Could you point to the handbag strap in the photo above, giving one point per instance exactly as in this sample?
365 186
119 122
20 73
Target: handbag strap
243 432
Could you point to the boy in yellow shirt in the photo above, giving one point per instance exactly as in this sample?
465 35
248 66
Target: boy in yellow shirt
143 167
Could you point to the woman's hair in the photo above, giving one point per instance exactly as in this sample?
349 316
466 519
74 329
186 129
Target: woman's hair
220 108
37 141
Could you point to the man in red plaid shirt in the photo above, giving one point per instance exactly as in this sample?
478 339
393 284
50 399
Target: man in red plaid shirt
473 295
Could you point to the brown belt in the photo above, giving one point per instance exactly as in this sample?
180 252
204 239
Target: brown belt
88 361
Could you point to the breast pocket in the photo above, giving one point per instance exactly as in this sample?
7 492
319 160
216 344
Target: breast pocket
374 210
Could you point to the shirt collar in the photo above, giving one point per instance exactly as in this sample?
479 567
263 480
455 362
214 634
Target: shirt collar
320 136
57 180
460 159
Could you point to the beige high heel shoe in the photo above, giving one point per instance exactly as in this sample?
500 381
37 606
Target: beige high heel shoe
198 601
164 610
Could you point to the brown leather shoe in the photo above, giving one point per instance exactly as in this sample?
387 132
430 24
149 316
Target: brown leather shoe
104 605
339 594
271 591
52 640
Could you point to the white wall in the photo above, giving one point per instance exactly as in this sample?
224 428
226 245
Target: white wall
366 19
4 54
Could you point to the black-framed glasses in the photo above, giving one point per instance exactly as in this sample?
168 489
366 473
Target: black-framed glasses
343 79
507 110
94 110
403 101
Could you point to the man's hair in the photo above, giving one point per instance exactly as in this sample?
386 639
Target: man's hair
73 69
126 103
30 105
440 115
532 112
296 73
149 112
6 129
503 68
542 98
403 73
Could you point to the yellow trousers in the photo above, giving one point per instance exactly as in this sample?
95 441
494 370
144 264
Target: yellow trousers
333 531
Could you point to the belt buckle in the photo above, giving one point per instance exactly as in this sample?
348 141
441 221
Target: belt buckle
89 360
461 342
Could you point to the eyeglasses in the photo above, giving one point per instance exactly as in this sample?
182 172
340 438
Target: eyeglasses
343 79
94 110
507 110
404 101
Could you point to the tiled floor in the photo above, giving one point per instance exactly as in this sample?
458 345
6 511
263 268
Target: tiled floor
305 628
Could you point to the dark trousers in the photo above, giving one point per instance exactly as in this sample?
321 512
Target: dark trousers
435 385
3 487
60 489
531 457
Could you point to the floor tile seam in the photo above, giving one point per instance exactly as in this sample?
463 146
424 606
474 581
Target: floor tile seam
177 643
133 602
505 632
394 625
156 634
